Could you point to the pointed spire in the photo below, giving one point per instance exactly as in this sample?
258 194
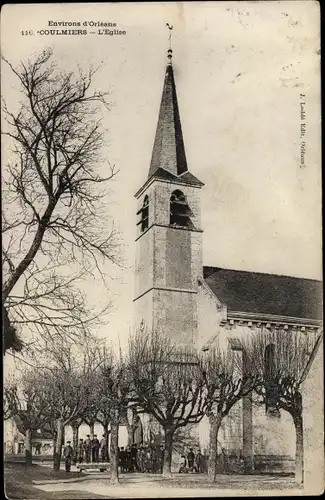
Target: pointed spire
168 149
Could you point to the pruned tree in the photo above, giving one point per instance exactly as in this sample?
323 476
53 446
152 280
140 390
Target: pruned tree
24 403
279 358
115 392
227 382
168 384
55 222
67 384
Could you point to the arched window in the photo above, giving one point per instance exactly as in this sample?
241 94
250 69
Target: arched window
144 214
271 393
180 212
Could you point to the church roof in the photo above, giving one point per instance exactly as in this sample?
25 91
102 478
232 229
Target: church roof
251 292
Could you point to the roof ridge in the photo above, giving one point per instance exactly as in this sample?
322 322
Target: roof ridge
217 268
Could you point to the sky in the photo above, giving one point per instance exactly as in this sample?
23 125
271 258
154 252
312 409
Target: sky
240 68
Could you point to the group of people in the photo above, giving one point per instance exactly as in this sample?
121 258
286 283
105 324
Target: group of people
192 462
88 450
92 450
141 458
134 458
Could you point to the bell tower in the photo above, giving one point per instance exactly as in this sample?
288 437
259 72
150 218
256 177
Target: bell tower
169 234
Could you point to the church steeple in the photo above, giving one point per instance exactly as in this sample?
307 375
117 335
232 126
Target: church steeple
168 149
168 240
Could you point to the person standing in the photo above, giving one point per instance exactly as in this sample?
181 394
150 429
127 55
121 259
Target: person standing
143 459
182 465
103 449
87 448
133 457
80 453
128 459
198 462
139 468
148 462
154 460
67 453
190 460
123 459
161 458
95 448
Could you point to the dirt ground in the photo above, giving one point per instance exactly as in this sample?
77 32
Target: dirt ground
42 483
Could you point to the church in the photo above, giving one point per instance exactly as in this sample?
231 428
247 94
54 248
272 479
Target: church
200 305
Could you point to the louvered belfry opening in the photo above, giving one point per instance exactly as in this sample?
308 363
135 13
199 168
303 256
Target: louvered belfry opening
180 212
144 214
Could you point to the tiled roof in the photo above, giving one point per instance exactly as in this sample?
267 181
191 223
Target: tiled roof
272 294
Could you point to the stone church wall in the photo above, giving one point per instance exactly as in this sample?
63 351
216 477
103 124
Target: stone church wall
313 425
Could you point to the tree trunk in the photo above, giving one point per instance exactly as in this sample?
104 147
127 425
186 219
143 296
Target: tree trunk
114 447
34 248
75 436
130 426
54 443
91 428
215 423
106 433
28 448
58 448
169 434
299 462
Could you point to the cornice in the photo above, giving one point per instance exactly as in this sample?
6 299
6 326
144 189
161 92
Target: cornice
177 228
269 320
153 179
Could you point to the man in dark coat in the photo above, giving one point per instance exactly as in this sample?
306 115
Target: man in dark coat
87 448
95 449
103 449
199 462
80 451
123 459
190 460
67 453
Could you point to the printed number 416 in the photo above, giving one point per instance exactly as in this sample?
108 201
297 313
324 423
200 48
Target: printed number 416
27 32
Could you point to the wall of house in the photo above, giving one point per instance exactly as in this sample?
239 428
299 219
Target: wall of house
247 429
210 315
14 440
313 425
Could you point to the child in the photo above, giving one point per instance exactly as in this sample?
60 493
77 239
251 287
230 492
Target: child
182 464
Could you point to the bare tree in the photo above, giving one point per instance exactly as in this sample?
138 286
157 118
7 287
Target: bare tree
54 212
168 385
279 359
113 380
24 403
67 384
226 384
